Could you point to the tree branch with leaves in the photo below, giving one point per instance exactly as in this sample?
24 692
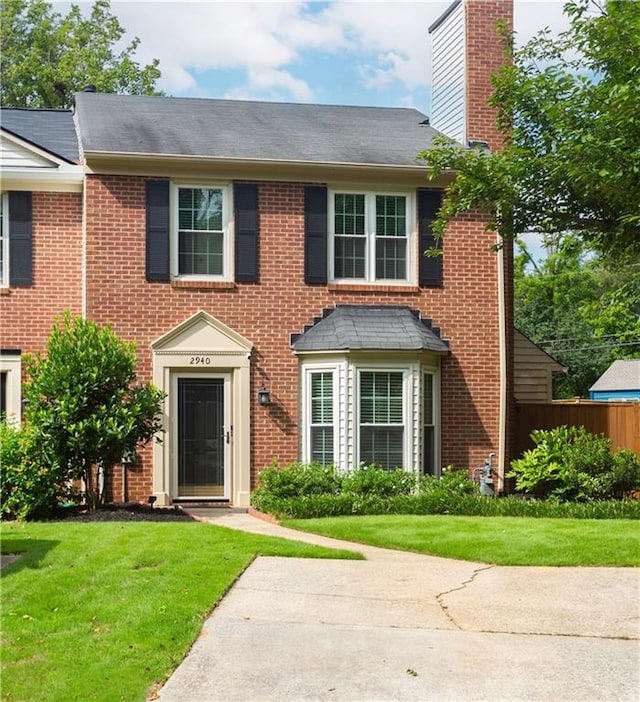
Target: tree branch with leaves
46 57
568 107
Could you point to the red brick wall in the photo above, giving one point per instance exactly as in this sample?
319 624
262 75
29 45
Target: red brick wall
485 55
28 313
266 313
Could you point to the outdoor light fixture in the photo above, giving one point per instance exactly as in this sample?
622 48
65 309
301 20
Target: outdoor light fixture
264 397
151 500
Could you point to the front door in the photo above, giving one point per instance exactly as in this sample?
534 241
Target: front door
202 438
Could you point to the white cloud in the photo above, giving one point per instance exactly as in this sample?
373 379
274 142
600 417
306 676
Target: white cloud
271 45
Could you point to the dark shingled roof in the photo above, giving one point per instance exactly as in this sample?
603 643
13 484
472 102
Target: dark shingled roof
369 327
51 130
237 129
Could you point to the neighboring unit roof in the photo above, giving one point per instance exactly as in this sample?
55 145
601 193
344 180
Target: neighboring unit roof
236 129
620 375
372 328
51 130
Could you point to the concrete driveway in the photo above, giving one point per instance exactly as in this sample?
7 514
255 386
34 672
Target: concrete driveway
401 626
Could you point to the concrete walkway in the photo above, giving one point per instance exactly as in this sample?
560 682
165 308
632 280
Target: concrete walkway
400 626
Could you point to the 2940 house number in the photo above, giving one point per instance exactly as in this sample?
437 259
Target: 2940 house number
200 361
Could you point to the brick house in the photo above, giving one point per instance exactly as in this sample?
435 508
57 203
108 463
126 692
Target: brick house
267 259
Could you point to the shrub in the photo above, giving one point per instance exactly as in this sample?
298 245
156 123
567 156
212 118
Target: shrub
305 491
378 482
84 406
30 485
569 463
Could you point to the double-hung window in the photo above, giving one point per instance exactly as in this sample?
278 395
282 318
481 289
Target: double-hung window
321 415
381 416
371 235
4 240
201 222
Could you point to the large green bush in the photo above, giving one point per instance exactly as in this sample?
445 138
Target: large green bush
571 464
30 484
304 491
83 404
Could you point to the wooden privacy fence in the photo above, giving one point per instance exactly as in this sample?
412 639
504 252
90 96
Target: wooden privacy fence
620 421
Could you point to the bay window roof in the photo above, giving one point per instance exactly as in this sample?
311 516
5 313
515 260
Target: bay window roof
371 328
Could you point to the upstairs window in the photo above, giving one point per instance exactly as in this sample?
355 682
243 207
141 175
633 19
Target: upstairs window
202 232
370 235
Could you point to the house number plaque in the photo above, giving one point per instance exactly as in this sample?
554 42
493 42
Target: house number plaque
200 361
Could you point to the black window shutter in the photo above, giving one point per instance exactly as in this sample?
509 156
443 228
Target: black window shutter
20 238
430 266
315 235
245 198
158 218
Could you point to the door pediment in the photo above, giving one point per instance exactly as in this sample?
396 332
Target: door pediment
202 333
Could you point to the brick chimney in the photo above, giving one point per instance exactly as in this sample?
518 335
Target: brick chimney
466 51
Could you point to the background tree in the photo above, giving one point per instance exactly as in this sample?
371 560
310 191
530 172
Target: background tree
568 107
83 406
577 309
46 57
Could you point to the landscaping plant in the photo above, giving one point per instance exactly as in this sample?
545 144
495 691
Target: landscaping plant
84 409
571 464
307 491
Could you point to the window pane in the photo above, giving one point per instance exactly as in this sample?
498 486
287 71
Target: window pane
200 253
200 209
428 429
350 258
391 218
381 398
428 399
349 214
321 429
322 445
382 446
322 398
391 259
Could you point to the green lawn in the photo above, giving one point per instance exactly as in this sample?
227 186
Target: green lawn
499 540
103 611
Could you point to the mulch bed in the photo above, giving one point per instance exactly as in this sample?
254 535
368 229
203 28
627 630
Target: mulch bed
129 512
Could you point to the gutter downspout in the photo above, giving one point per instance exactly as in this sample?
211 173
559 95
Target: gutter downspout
502 421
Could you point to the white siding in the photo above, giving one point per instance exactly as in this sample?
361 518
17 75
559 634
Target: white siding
13 155
447 76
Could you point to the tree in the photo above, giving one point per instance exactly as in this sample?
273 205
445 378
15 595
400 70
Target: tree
568 107
83 405
578 310
47 57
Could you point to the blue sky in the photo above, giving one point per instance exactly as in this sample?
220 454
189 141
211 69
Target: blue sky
339 52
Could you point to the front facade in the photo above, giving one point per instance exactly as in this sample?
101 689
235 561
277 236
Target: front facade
267 260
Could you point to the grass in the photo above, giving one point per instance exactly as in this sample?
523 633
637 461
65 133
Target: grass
105 611
498 540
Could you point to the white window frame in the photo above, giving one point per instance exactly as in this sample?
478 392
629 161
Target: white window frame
434 373
227 231
11 364
307 413
370 236
406 394
4 238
